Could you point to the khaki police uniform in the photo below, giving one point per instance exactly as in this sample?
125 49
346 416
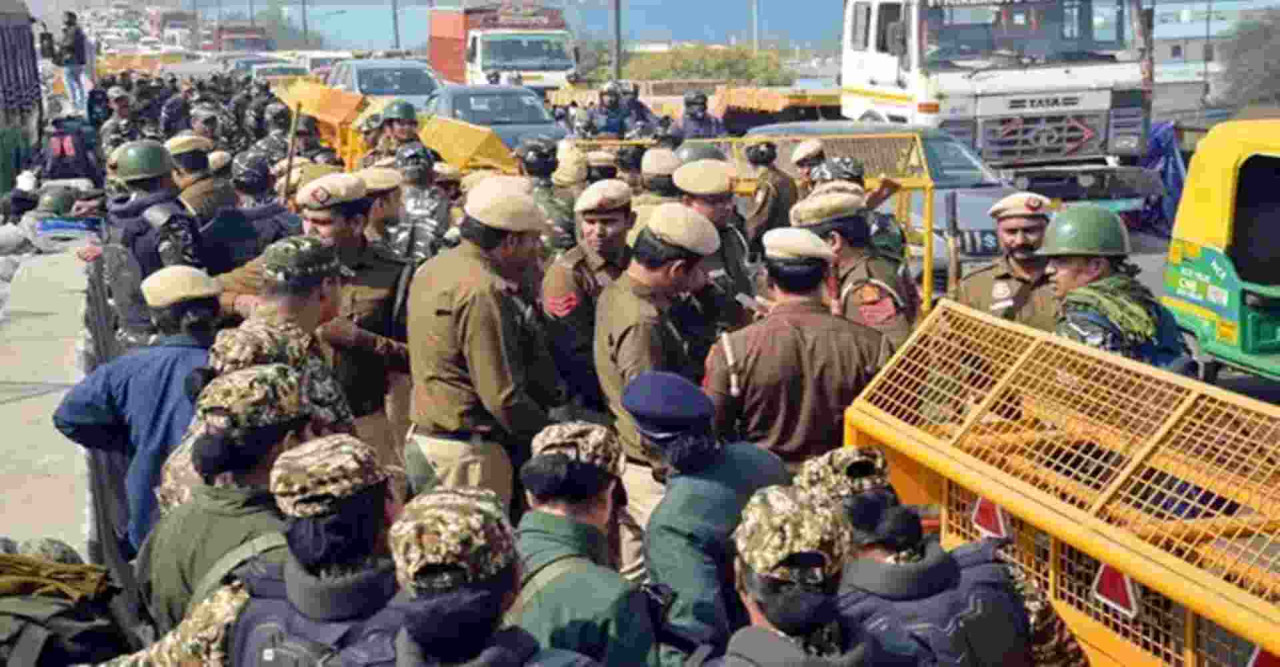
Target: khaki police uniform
206 195
999 290
870 290
777 382
657 162
808 149
717 304
474 408
367 300
770 208
634 333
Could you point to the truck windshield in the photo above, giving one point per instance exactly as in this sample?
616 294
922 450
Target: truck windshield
501 109
395 81
527 52
968 34
953 165
245 44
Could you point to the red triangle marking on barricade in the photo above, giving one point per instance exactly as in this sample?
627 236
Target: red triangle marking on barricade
990 519
1261 658
1116 590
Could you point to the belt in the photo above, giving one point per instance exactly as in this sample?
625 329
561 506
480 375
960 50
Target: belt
459 436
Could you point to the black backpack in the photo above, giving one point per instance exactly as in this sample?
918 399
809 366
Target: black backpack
42 628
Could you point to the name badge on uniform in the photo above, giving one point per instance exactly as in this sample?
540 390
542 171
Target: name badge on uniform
1001 290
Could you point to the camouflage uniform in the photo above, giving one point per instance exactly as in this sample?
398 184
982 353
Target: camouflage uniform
559 212
307 481
275 145
826 477
118 131
1052 642
424 218
50 549
1121 300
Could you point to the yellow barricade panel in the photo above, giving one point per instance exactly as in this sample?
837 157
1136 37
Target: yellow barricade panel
1116 481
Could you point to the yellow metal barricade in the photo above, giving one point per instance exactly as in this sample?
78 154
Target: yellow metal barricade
1145 505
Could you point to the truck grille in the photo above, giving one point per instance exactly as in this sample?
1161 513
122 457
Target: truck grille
1028 138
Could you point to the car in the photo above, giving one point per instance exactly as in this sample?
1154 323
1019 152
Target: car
246 64
952 166
317 60
512 112
278 69
408 80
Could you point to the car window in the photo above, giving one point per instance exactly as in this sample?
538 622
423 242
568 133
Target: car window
396 81
507 108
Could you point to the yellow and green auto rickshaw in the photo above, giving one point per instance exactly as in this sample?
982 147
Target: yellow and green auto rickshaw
1222 278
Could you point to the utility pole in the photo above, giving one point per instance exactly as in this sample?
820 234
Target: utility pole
617 40
306 35
1142 35
252 20
395 22
755 25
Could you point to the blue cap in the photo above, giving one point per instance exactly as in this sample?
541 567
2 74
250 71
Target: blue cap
665 402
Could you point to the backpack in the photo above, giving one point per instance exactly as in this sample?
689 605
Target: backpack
270 631
48 627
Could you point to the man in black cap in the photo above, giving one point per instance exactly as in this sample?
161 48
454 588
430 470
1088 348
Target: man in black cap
74 55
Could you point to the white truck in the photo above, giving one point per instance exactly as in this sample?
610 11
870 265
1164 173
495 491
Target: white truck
518 39
1048 92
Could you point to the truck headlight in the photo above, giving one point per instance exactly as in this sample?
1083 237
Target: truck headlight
1127 143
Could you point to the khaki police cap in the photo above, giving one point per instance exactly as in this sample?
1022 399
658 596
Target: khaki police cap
219 159
1021 205
572 169
825 208
470 181
806 150
318 196
682 227
507 208
795 243
175 284
188 144
704 177
380 179
604 196
601 159
447 173
659 162
116 92
847 187
283 164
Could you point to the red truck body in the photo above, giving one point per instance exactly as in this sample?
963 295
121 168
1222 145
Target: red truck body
450 29
240 37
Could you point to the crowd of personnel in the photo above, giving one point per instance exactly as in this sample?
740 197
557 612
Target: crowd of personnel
586 414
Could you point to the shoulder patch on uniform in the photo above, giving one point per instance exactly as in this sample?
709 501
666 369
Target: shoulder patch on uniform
562 306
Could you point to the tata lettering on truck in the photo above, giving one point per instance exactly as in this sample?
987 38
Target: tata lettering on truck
512 38
1049 92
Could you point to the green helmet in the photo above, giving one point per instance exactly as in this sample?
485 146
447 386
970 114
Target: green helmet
701 150
399 110
137 160
56 200
1086 230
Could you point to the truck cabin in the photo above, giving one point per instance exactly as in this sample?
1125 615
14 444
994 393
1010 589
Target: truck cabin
529 52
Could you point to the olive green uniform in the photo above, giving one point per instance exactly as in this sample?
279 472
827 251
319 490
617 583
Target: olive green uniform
995 289
872 293
570 292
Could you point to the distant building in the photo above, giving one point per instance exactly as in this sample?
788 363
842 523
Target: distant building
1192 32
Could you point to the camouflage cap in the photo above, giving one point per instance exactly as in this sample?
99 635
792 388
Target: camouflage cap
582 441
238 402
312 478
844 472
443 540
50 549
781 521
302 258
8 546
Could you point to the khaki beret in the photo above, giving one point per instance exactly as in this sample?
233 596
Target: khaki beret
305 173
318 196
806 150
175 284
379 179
659 162
704 177
1022 205
601 159
825 208
795 243
219 159
682 227
279 167
610 194
188 144
447 173
501 206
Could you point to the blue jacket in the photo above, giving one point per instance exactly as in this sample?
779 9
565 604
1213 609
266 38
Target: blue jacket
137 404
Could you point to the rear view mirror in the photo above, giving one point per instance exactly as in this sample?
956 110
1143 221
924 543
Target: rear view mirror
471 53
898 39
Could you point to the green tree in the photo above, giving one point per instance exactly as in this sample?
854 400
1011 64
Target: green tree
739 63
286 35
1250 54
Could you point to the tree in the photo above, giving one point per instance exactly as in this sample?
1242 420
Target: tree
285 35
1251 61
737 63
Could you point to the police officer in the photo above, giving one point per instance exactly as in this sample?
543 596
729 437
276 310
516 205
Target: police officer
382 187
368 336
807 155
152 223
424 210
640 117
121 128
400 126
869 288
581 123
254 114
777 382
962 605
455 553
630 164
656 169
1016 286
371 134
776 193
310 147
609 117
240 101
277 118
697 123
204 195
333 591
573 283
205 123
1101 303
175 112
220 165
601 165
251 178
634 333
259 411
571 599
538 161
570 176
708 482
474 408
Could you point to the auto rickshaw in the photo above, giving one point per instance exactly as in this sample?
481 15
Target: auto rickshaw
1222 278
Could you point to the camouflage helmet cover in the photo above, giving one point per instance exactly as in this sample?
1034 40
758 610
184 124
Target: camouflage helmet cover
584 442
843 472
443 540
244 400
781 521
313 478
